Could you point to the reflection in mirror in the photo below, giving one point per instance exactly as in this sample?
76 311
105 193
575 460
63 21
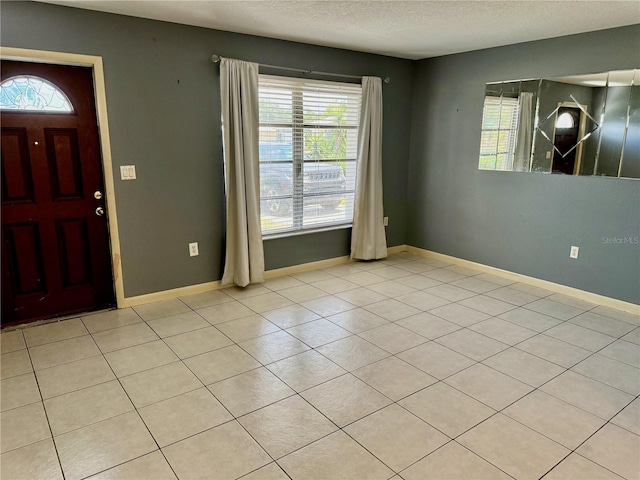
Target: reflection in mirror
630 164
561 149
615 110
507 126
572 125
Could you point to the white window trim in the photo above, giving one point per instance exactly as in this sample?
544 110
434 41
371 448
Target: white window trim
299 129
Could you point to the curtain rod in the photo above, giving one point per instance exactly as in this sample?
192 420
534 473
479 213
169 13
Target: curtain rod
217 58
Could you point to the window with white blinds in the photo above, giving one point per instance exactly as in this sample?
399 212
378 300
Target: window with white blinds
308 150
499 130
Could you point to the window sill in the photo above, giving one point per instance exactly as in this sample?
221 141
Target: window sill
274 236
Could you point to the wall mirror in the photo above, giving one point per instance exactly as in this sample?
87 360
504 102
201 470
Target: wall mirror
571 125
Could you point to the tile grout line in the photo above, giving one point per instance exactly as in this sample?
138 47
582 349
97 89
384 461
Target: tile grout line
46 415
370 385
135 408
300 396
394 355
607 422
575 406
453 440
233 417
518 399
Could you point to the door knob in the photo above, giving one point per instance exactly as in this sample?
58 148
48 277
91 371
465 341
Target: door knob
99 211
97 194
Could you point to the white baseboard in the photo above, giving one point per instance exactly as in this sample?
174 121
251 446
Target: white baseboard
329 262
397 249
209 286
536 282
304 267
169 294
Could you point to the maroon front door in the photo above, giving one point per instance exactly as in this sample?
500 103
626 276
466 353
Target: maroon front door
55 245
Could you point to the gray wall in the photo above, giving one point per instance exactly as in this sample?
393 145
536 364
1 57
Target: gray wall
164 110
522 222
164 116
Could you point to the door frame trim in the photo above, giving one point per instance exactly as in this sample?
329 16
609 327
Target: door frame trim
99 90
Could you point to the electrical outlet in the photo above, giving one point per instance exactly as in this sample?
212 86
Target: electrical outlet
574 252
193 249
549 154
385 221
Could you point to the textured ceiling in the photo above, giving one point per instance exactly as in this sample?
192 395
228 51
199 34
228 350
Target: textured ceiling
406 29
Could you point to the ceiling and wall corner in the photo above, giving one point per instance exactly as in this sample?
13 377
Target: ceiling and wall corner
404 29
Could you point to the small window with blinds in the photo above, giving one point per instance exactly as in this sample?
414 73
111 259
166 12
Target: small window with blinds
499 129
308 150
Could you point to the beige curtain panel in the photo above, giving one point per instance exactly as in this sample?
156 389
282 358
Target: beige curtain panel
522 155
368 238
244 257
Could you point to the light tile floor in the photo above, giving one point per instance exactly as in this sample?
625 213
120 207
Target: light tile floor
406 368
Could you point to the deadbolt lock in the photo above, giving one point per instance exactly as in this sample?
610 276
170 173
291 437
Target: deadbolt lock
97 194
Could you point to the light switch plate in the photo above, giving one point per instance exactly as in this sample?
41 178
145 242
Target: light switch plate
574 252
128 172
385 221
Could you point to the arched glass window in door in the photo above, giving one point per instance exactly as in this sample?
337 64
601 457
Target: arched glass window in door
565 120
29 93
